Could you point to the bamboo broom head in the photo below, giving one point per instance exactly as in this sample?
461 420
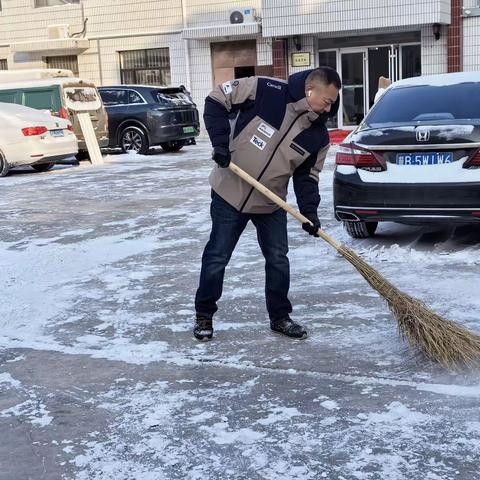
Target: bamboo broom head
438 339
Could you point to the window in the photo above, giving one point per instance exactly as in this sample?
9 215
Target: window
53 3
172 96
427 102
328 58
145 67
114 97
67 62
134 97
3 64
411 61
7 96
42 99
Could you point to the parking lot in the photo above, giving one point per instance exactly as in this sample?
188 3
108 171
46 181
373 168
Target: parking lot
101 377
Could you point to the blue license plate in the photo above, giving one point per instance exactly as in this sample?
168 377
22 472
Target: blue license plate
424 158
56 133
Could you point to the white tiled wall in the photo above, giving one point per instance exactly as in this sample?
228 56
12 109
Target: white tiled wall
471 39
264 51
19 20
308 44
291 17
434 52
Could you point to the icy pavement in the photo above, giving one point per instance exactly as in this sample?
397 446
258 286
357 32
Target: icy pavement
101 379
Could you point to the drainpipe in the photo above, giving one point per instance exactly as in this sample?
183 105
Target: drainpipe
100 69
186 49
455 38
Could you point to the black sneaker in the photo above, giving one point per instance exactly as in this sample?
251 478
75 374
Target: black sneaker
286 326
203 329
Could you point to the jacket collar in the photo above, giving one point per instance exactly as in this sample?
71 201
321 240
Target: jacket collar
303 106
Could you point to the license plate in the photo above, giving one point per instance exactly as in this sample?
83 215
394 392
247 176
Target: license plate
424 158
56 133
188 130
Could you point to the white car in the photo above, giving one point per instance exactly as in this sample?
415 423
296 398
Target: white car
32 137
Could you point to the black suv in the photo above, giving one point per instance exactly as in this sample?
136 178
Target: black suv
140 117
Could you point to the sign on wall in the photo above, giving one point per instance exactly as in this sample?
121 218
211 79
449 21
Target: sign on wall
301 59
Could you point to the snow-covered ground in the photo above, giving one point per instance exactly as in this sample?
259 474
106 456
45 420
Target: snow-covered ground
101 379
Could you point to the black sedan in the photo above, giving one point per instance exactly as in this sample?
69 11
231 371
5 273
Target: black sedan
140 117
415 158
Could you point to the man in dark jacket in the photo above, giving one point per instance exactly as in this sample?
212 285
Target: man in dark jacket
278 132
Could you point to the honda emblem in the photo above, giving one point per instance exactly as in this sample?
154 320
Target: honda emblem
423 135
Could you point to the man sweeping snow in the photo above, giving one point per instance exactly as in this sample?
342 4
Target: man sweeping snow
279 132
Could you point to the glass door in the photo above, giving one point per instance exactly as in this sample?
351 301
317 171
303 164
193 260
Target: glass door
354 74
394 63
411 60
328 58
378 66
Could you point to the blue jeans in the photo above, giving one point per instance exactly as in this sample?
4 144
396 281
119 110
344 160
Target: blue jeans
227 226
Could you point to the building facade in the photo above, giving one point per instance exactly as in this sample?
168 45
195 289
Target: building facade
200 44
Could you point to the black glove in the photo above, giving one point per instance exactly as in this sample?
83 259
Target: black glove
312 229
221 155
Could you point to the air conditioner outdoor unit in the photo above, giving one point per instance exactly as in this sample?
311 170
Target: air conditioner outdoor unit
58 31
242 15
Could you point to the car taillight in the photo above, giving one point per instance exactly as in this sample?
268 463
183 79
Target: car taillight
474 161
32 131
70 127
349 154
63 113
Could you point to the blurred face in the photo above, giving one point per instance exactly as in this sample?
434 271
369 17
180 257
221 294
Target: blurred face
321 97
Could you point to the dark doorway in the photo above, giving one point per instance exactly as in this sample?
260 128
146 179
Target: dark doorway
242 72
378 62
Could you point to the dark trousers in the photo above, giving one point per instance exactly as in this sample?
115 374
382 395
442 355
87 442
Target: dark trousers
227 226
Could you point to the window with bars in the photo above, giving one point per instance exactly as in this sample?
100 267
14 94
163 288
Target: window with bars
68 62
53 3
145 67
3 64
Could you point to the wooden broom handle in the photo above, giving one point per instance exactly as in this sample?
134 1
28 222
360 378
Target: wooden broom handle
281 203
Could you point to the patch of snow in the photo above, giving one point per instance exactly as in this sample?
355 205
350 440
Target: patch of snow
8 379
221 435
280 414
330 405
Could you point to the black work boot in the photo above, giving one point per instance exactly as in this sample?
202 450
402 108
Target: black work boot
288 327
203 328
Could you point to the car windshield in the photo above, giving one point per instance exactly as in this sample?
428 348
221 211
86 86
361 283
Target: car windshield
426 103
172 97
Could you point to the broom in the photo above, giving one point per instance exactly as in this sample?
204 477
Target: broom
441 340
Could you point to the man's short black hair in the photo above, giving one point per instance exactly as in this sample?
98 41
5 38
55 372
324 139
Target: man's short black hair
325 75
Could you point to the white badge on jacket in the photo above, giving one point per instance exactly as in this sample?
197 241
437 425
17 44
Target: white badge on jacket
258 142
266 130
227 88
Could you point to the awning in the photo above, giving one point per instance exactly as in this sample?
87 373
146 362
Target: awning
58 45
236 29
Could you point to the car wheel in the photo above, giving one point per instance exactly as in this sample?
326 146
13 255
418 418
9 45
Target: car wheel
43 167
133 139
360 229
173 146
4 168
